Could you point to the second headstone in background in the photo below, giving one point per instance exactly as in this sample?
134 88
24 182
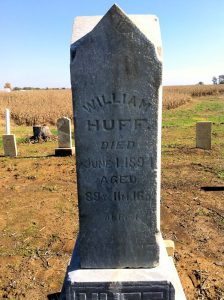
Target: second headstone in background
9 140
204 135
64 138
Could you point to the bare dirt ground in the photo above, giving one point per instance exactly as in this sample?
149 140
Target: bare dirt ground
39 217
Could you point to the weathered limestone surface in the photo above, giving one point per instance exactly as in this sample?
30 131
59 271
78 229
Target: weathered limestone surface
64 138
116 78
64 133
116 84
203 135
9 145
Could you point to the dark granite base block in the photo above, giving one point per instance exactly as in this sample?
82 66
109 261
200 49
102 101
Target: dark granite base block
64 151
120 291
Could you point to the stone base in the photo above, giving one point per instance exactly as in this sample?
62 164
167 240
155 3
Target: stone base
121 291
170 247
161 282
64 151
9 145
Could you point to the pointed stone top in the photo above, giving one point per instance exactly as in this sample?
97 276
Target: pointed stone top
147 24
116 9
116 6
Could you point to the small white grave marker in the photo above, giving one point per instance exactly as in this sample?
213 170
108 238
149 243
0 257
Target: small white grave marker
64 138
9 140
7 121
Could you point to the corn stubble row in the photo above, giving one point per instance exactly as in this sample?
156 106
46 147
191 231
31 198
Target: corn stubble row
46 106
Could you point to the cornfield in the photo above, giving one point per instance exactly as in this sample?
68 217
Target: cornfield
37 107
46 106
174 96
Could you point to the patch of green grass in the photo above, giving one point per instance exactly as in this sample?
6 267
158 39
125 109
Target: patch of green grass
221 222
211 109
220 174
210 105
54 131
22 140
50 188
31 230
201 212
172 145
61 207
177 118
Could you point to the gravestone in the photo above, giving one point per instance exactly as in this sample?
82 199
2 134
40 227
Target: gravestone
64 138
41 133
116 72
9 140
203 135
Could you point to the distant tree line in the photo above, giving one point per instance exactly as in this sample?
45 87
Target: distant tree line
29 88
218 80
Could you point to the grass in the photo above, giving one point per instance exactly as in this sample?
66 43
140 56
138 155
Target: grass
220 174
179 128
205 109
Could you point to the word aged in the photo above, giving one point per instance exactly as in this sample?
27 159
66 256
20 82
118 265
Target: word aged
118 179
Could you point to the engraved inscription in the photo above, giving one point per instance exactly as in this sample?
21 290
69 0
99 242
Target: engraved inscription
132 196
117 145
118 179
121 217
118 196
121 124
117 162
95 196
116 99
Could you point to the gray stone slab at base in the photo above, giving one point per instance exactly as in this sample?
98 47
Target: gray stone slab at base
65 151
9 145
161 282
204 135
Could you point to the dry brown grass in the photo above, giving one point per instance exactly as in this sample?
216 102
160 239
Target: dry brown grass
173 98
40 107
